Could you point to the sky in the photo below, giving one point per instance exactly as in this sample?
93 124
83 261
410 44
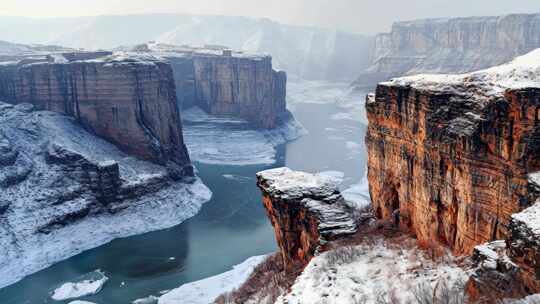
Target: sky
363 16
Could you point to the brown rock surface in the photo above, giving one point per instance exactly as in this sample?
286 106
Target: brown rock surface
449 155
306 211
129 100
223 82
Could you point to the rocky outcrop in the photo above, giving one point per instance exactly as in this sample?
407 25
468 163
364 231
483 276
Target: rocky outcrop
307 211
227 83
64 190
456 45
130 100
449 155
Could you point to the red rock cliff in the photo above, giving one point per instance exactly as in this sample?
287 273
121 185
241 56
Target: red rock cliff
449 154
306 211
128 100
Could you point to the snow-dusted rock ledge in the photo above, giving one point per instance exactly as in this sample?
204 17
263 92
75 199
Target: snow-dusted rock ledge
306 210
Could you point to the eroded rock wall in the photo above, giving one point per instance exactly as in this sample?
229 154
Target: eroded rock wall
245 87
455 45
129 101
307 211
452 164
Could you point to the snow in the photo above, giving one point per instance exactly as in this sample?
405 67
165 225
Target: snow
295 184
207 290
357 195
226 141
366 273
89 284
522 72
530 218
23 248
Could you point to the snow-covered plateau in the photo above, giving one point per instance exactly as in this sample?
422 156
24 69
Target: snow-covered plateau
49 210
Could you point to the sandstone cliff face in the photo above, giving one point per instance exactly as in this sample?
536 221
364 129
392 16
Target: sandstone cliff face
449 154
455 45
227 83
306 211
128 100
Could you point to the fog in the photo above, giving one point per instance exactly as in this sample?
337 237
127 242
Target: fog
361 16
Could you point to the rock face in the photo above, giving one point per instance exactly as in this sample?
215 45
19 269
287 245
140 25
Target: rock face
129 100
227 83
449 155
455 45
306 211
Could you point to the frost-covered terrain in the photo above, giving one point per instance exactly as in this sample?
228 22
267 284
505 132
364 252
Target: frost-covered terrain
89 284
207 290
50 208
522 72
379 272
226 141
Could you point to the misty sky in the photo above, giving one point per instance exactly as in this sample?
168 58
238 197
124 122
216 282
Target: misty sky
366 16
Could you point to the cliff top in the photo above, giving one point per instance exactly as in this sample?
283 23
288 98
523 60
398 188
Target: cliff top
286 183
522 72
171 50
471 19
98 57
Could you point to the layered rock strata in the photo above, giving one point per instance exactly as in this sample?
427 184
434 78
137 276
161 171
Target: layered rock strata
455 45
128 99
227 83
449 155
307 211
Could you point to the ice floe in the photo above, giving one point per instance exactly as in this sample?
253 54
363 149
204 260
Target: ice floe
89 284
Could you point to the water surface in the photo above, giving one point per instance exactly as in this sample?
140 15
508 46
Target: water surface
231 227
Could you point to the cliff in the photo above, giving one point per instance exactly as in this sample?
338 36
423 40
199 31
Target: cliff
226 83
449 155
307 211
455 45
130 100
64 190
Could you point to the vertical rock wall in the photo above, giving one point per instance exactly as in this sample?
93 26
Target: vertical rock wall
127 100
452 158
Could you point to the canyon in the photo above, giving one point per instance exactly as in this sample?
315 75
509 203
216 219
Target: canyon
227 83
449 45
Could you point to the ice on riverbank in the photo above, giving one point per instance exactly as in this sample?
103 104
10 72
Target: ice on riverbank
207 290
226 141
89 284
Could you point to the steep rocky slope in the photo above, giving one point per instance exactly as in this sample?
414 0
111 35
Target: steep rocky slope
127 99
449 155
306 52
306 211
227 83
456 45
64 190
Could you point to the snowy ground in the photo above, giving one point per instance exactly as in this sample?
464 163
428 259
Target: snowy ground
226 141
24 249
207 290
376 273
